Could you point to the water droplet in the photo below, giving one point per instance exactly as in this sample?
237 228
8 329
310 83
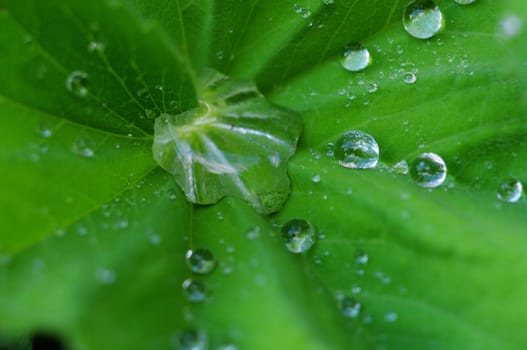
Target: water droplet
465 2
300 235
423 19
357 150
315 178
390 317
193 340
45 131
510 190
200 261
356 58
372 87
409 78
76 83
350 307
511 26
254 233
194 290
106 276
361 257
428 170
228 347
95 46
84 146
400 167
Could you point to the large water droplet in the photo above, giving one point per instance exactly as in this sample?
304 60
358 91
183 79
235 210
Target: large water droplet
428 170
356 58
350 307
423 19
200 261
194 290
357 150
84 146
510 190
465 2
77 82
193 340
300 235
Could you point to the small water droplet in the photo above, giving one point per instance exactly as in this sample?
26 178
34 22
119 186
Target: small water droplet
372 87
315 178
254 233
356 58
357 150
77 82
428 170
106 276
511 26
423 19
45 131
465 2
193 340
390 317
350 307
194 290
400 167
95 46
510 190
409 78
361 257
200 260
300 235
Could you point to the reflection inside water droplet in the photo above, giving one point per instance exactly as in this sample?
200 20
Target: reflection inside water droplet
356 150
300 235
510 190
356 58
428 170
423 19
200 261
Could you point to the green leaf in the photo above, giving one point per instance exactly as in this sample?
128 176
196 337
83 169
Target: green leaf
93 234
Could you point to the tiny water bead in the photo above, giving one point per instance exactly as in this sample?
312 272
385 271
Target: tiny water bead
300 235
428 170
361 257
194 290
200 261
465 2
510 190
409 78
356 150
193 340
423 19
350 307
356 58
77 82
84 146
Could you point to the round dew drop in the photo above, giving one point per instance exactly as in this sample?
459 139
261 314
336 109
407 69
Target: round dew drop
423 19
299 235
356 58
194 290
200 261
428 170
356 150
350 307
409 78
510 190
77 82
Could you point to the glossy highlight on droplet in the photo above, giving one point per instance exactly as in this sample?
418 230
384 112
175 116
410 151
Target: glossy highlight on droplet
200 261
77 83
356 58
356 150
423 19
510 190
299 235
428 170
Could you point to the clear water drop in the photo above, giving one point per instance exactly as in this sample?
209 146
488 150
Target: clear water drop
423 19
106 276
194 290
95 46
510 190
356 58
428 170
400 167
356 150
77 83
361 257
200 261
409 78
193 340
350 307
465 2
511 26
372 87
315 178
84 146
300 235
390 317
